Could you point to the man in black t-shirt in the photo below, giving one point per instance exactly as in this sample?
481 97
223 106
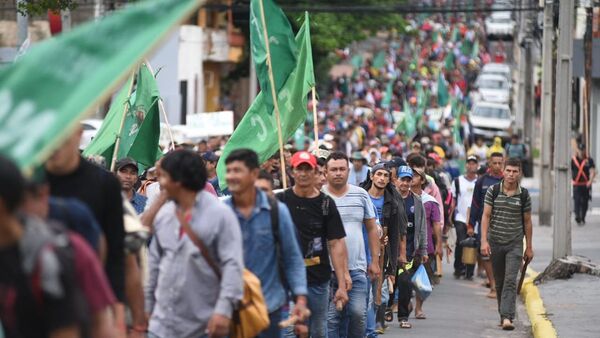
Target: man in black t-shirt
38 297
321 235
69 175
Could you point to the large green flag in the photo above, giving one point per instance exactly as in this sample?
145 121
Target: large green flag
141 128
258 128
46 92
443 94
281 46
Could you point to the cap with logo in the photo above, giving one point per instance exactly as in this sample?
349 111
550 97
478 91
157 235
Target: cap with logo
303 157
472 158
405 171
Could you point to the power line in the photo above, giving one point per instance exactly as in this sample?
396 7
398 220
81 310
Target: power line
381 9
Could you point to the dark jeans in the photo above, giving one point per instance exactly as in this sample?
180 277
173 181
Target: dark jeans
506 263
273 331
404 289
459 267
581 197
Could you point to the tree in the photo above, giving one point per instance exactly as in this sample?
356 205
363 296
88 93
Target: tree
37 7
331 31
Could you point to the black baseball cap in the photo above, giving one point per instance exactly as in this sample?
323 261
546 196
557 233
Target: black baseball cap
127 161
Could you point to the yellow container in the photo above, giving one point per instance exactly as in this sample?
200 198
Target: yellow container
469 256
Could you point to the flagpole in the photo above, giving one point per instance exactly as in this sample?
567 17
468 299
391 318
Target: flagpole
118 141
315 125
274 94
161 107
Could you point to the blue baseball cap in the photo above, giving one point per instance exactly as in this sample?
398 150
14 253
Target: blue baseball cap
405 171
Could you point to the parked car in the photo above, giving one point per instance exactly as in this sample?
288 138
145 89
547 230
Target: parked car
90 128
500 25
498 69
491 119
491 88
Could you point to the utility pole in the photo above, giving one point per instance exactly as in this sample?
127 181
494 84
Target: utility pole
562 133
528 115
22 26
520 117
546 186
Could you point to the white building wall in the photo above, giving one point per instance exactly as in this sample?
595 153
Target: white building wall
166 59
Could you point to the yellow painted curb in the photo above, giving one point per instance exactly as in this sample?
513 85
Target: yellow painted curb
541 326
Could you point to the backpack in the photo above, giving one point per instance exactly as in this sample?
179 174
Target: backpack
48 242
523 197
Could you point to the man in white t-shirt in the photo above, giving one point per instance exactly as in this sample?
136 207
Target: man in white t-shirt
462 191
355 208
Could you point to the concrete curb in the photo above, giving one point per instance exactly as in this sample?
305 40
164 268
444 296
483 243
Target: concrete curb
541 326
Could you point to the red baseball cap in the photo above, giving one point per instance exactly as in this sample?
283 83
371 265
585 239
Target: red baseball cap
304 157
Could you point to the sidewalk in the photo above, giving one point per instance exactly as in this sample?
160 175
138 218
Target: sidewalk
571 305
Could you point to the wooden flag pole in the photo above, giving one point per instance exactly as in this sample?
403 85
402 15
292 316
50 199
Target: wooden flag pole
315 124
161 107
118 140
274 95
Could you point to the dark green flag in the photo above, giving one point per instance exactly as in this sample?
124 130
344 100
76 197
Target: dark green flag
281 46
258 128
141 128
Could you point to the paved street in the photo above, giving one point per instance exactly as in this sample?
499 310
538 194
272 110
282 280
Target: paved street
459 308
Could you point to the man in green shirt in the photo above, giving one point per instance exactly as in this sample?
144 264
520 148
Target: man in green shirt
506 219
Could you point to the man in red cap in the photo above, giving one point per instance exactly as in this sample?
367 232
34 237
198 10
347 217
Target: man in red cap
321 235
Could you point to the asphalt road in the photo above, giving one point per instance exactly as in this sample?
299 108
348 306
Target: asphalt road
459 308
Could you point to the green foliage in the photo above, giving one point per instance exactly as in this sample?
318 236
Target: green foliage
331 31
37 7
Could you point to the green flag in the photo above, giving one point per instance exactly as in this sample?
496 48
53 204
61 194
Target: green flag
281 46
449 60
258 128
475 51
46 92
387 99
356 61
141 128
408 125
455 34
379 60
443 95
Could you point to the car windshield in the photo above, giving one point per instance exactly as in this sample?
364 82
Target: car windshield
492 83
492 112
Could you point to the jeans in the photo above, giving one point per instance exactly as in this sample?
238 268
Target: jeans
351 321
459 267
371 308
581 197
318 303
404 290
273 331
506 263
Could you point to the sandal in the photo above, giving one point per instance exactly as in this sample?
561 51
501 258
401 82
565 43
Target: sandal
421 315
389 315
507 325
404 324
